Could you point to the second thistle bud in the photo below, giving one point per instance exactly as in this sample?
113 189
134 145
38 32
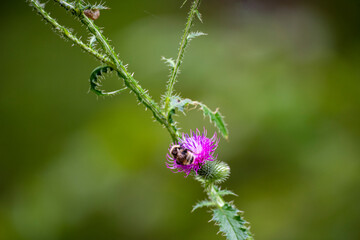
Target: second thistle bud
213 172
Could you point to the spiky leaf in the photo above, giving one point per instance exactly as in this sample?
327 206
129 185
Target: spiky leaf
169 61
193 35
204 203
198 14
92 41
99 6
216 118
177 103
225 192
231 223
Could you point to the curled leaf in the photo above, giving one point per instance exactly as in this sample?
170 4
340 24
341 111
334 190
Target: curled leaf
95 83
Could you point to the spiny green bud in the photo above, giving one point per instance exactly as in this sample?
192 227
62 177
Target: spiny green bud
213 172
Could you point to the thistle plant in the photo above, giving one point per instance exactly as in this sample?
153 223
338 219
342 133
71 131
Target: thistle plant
194 153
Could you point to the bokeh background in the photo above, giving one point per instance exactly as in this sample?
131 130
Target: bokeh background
286 74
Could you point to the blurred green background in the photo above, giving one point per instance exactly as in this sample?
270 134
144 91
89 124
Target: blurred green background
285 74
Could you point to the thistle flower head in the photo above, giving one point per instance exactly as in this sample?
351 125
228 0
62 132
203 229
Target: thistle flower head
195 149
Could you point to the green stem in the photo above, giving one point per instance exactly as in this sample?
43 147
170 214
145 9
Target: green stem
67 34
214 195
94 30
183 43
112 59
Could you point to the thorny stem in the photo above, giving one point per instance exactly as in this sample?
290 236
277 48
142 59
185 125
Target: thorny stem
67 34
112 59
175 71
94 30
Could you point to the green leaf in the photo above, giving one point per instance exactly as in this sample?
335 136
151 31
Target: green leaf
204 203
216 118
92 40
198 14
226 192
99 6
223 192
95 81
177 103
193 35
170 62
231 223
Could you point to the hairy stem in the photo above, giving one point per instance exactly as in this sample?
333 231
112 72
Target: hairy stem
183 43
214 195
103 42
111 59
67 34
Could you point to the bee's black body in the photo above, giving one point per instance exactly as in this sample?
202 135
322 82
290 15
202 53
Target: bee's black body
182 155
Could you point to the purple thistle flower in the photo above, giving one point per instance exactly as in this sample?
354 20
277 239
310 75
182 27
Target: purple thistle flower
201 148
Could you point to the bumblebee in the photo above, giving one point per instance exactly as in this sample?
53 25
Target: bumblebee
182 155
